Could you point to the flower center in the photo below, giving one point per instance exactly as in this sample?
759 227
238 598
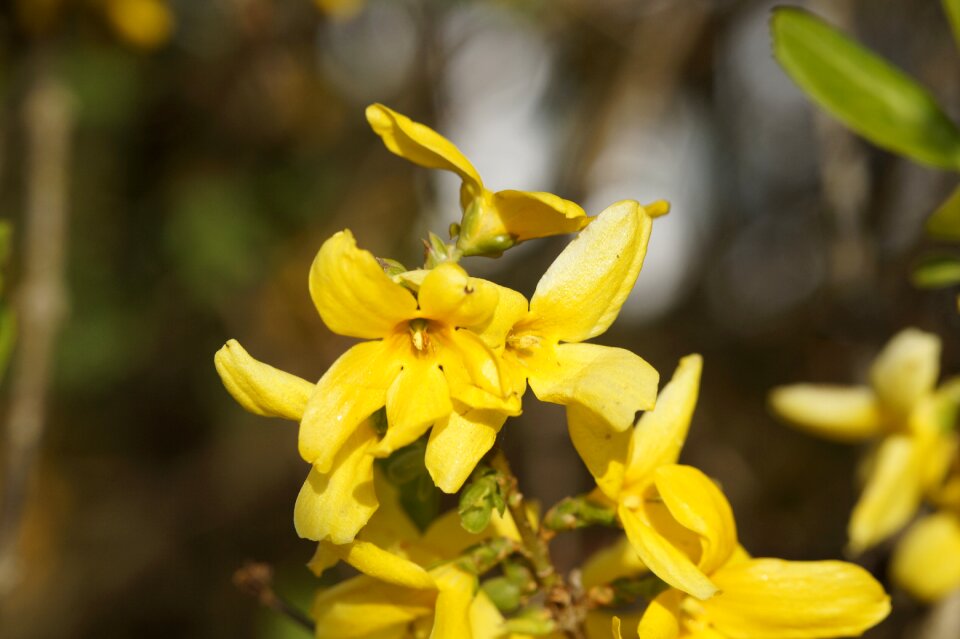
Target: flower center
419 335
523 342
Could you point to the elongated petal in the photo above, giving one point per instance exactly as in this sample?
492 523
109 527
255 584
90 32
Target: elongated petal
775 599
450 295
336 505
458 443
698 505
906 369
926 562
615 628
352 389
361 607
891 496
526 215
418 398
420 144
260 388
353 294
601 448
612 382
452 620
467 359
663 558
581 293
841 413
611 563
661 620
660 433
372 560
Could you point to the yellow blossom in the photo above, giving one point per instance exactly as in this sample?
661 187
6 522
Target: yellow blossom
926 562
146 24
903 412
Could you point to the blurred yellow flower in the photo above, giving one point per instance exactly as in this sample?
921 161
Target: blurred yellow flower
145 24
926 562
340 9
903 410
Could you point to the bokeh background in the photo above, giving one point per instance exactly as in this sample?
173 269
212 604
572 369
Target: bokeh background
213 145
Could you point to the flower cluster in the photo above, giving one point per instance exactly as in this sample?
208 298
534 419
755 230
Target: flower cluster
444 361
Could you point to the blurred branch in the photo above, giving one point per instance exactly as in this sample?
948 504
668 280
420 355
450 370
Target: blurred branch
256 580
48 122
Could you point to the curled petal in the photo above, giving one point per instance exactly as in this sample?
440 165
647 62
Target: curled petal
450 295
526 215
906 369
260 388
601 448
353 294
841 413
926 562
418 397
458 443
374 561
363 607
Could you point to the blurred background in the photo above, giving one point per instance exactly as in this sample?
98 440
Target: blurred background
196 155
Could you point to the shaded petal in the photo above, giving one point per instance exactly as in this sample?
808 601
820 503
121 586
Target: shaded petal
512 307
361 607
260 388
664 558
336 505
390 526
485 618
418 398
614 383
698 505
891 496
527 215
776 599
926 562
374 561
659 434
420 144
661 620
452 620
581 293
446 538
353 294
840 413
353 388
450 295
906 369
458 443
611 563
601 448
466 359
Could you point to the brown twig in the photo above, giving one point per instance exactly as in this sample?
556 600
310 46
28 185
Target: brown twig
256 580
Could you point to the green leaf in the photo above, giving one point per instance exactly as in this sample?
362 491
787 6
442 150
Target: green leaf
937 271
864 91
952 8
944 223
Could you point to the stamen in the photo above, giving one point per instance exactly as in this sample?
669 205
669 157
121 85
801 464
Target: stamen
419 335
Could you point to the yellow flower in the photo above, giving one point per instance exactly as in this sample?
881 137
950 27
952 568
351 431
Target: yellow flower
901 409
492 222
146 24
926 562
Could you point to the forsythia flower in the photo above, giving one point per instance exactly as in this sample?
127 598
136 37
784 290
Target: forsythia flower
492 222
903 410
926 562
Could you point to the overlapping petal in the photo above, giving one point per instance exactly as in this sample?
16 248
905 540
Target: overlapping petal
926 562
841 413
452 616
362 607
261 388
418 397
602 449
457 444
661 620
448 293
906 369
372 560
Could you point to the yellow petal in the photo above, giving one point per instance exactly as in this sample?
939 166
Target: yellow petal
353 294
661 620
615 628
420 144
445 537
260 388
926 562
906 369
601 448
511 308
525 215
614 383
418 398
362 607
485 618
581 293
659 435
664 559
390 526
841 413
452 620
450 295
336 505
775 599
698 505
467 360
374 561
352 389
891 496
611 563
458 443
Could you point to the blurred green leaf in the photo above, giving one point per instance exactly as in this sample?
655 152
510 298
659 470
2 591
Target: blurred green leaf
937 272
864 91
944 223
405 469
952 8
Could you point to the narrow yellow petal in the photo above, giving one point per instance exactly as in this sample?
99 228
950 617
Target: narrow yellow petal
775 599
452 620
906 369
260 388
458 443
926 562
353 388
581 293
611 563
450 295
615 628
663 558
418 398
336 505
614 383
841 413
659 434
420 144
698 505
892 494
601 448
353 294
376 562
661 620
362 607
527 215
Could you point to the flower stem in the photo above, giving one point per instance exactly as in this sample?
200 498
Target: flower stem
256 579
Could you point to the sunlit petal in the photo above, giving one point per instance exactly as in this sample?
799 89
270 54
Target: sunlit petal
527 215
457 443
511 308
841 413
374 561
467 359
601 448
906 369
418 398
927 559
260 388
449 294
661 620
